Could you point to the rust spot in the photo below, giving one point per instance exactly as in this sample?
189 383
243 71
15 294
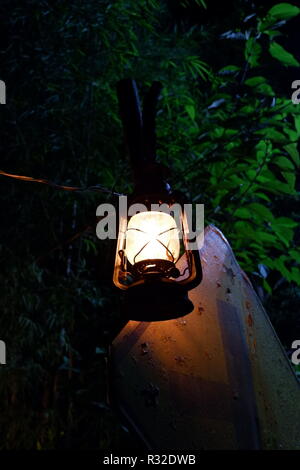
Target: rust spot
248 304
200 310
180 360
230 273
219 284
144 348
167 339
250 320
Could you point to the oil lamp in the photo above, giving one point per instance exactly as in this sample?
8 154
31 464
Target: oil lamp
154 264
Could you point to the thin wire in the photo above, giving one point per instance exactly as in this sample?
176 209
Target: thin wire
97 188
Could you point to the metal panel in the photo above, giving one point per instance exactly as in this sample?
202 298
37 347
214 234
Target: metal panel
217 378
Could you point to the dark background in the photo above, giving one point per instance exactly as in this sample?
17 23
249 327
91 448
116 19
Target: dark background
229 144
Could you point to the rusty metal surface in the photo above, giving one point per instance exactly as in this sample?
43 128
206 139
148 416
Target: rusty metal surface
217 378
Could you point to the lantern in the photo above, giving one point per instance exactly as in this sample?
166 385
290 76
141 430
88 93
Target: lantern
154 263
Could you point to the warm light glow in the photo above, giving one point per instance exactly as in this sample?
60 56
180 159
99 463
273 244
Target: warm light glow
152 235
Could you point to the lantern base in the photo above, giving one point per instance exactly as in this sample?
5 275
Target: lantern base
156 301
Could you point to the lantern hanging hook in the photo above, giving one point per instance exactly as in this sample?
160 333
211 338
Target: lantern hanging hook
139 129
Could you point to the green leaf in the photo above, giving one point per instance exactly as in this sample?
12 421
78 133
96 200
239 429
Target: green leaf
279 12
247 109
295 255
252 52
265 237
285 235
283 227
290 178
263 196
262 211
272 134
283 11
271 33
229 69
265 89
284 222
254 81
280 266
190 109
260 85
293 152
284 163
295 275
292 133
277 187
267 286
244 229
285 57
263 147
297 124
243 213
217 132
